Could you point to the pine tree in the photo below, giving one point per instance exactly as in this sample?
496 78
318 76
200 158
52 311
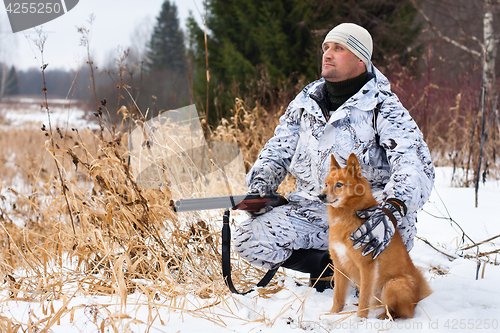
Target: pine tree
166 47
254 33
249 38
12 83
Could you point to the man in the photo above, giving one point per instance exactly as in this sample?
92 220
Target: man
351 109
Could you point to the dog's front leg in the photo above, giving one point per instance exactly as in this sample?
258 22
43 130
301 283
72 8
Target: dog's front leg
365 290
340 289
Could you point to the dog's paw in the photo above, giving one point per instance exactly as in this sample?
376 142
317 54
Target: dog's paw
336 308
362 314
383 316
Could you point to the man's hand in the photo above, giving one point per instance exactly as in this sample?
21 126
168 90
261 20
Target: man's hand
260 187
376 233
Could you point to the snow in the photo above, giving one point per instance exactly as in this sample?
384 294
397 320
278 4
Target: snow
459 303
28 112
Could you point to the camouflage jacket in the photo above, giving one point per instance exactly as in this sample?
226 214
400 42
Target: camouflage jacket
397 163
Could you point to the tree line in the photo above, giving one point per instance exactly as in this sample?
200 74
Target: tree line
253 49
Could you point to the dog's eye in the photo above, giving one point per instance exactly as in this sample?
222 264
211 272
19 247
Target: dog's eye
339 185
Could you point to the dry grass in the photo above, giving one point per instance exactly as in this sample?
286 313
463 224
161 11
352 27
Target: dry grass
75 221
120 233
250 129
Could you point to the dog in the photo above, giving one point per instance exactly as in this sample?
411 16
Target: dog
390 280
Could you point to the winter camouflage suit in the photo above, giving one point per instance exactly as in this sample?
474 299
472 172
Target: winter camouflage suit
397 164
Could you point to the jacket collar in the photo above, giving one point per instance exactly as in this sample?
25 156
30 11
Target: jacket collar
319 94
365 99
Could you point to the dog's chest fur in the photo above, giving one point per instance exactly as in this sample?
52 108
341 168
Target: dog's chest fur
341 227
340 250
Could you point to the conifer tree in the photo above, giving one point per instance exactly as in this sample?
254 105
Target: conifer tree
166 47
12 83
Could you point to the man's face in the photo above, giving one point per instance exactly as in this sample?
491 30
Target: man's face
339 63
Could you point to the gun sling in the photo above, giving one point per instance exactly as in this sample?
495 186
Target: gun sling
226 259
249 203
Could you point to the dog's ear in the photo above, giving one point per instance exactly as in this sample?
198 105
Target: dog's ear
353 165
333 164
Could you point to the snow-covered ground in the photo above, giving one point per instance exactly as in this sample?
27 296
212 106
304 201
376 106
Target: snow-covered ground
460 302
24 111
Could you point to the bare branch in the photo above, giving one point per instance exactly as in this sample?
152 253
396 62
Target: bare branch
450 257
485 241
474 53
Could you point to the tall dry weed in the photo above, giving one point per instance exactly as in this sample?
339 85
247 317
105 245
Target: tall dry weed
250 129
123 234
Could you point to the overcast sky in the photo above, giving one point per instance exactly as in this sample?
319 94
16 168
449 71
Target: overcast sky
115 24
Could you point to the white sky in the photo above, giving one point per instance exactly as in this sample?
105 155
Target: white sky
114 24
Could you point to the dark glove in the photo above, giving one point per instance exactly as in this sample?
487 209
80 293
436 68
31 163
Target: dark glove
376 233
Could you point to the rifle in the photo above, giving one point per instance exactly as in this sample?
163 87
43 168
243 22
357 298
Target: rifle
246 202
249 203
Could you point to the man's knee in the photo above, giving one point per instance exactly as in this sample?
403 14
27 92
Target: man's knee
243 234
254 246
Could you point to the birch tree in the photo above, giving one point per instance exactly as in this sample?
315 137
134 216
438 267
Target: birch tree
486 52
489 50
486 49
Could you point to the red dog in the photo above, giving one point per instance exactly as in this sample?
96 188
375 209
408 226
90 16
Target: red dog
391 279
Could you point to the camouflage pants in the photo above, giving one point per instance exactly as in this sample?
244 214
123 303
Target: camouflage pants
267 240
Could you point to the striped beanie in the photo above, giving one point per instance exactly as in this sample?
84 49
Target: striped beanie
355 38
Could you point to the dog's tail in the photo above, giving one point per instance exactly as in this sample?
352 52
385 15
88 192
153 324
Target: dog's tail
403 293
399 295
425 289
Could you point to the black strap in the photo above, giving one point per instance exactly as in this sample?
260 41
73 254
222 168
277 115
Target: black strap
399 205
226 259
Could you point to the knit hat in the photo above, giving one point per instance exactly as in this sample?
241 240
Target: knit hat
355 38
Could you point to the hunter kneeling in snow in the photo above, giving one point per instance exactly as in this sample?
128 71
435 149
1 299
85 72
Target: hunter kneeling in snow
351 109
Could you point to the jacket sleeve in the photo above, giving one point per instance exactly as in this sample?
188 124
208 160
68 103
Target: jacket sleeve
274 160
412 172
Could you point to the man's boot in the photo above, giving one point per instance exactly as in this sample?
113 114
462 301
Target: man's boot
314 262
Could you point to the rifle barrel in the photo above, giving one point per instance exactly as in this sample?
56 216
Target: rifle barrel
192 204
